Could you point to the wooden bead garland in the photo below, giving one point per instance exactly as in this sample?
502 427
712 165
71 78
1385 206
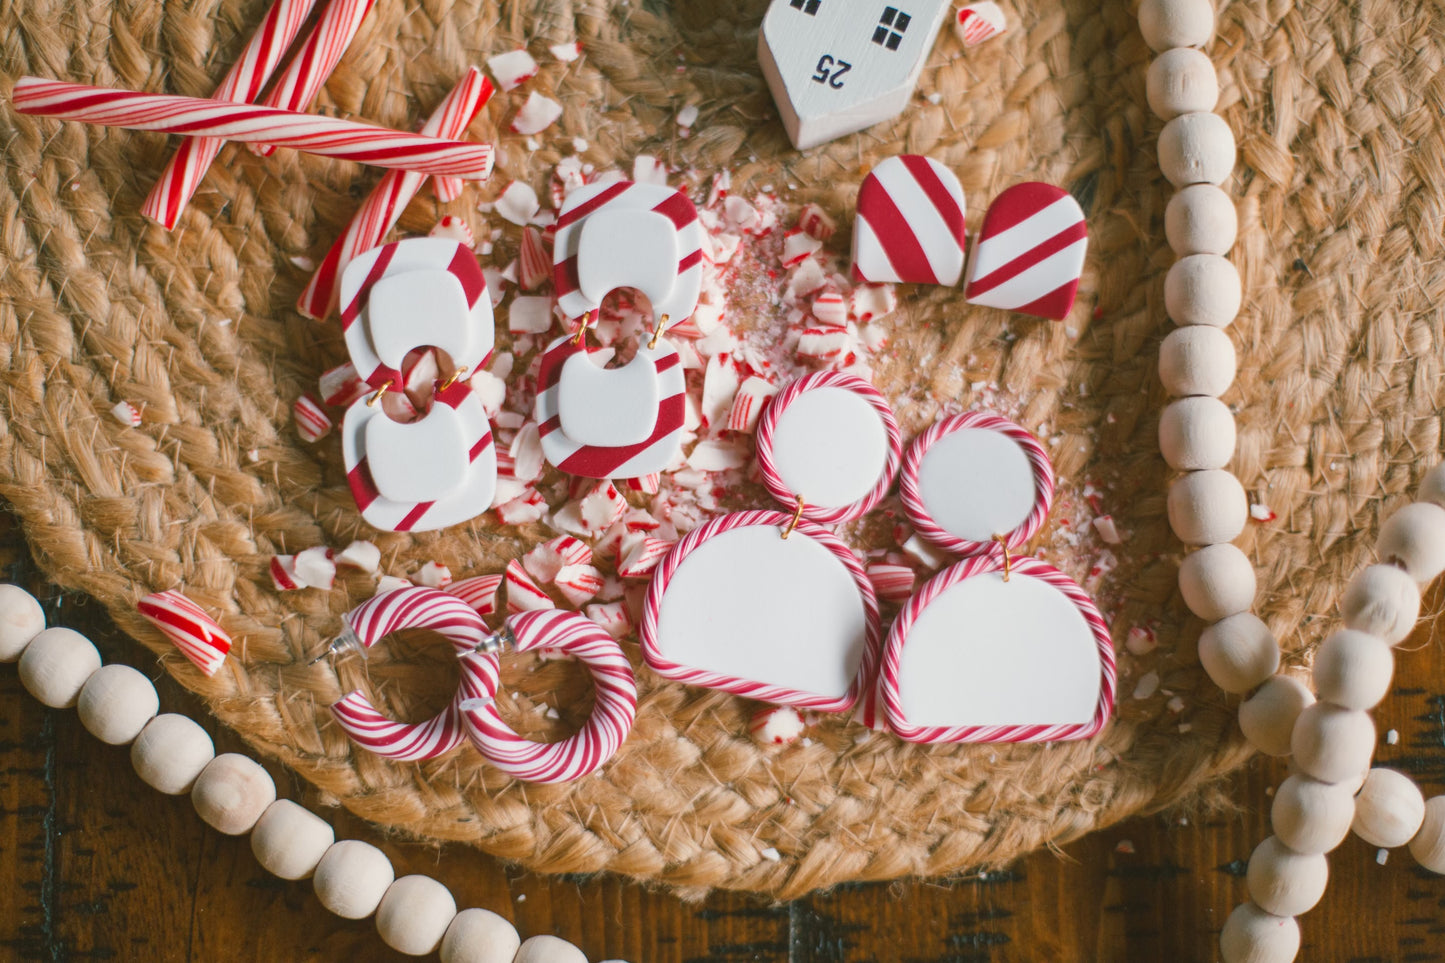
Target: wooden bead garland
56 664
1207 507
1267 718
1201 219
1197 360
1353 669
1238 652
1428 846
1283 882
21 620
351 879
1203 289
1251 935
1197 433
1196 148
1176 23
1310 816
115 704
1181 81
1382 600
414 915
1332 743
170 753
289 840
1217 581
480 936
1414 539
232 792
1388 809
549 949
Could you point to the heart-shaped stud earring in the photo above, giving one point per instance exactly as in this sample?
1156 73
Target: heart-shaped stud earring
974 477
1030 252
738 607
828 443
996 649
910 223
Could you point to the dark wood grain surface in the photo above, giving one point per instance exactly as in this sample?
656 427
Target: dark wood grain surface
100 867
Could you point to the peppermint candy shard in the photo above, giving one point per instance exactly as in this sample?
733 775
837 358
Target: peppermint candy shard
1030 252
978 22
199 637
910 223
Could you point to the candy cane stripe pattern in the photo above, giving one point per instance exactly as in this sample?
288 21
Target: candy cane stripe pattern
199 637
242 85
463 627
1030 252
778 486
924 516
379 212
947 579
910 224
198 117
653 454
978 22
597 741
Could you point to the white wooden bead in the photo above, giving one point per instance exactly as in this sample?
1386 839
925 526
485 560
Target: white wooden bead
1332 744
1201 219
1239 652
549 949
1197 360
1203 289
1196 148
1284 882
1181 81
289 840
115 704
1268 717
1217 581
1353 669
55 665
1251 935
1196 433
1207 507
1310 816
414 915
21 619
1382 600
1414 539
480 936
1388 809
1176 23
1428 846
1432 486
232 792
170 753
351 878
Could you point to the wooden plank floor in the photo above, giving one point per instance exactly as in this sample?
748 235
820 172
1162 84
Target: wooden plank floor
103 868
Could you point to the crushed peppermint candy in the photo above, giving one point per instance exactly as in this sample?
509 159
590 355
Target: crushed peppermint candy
126 413
536 114
1147 685
455 229
1261 513
512 69
565 52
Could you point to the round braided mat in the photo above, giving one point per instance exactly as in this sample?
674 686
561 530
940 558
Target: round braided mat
1337 110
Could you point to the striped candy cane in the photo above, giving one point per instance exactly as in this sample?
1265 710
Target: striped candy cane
198 117
762 692
199 637
379 212
417 608
968 568
242 85
318 57
598 740
922 519
768 424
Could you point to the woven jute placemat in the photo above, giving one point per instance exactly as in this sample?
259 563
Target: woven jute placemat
1337 110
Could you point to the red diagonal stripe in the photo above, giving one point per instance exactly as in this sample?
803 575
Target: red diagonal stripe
1028 259
895 235
352 311
943 200
587 207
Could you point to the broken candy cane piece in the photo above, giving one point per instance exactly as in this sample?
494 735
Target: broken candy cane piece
480 592
748 403
433 575
798 246
390 583
740 214
315 568
640 520
199 637
873 337
823 345
524 509
359 554
719 387
687 116
455 229
815 222
777 726
722 182
490 390
978 22
536 114
127 414
341 385
534 263
566 52
420 371
610 617
283 573
544 561
647 169
808 278
717 456
830 308
893 583
873 301
1108 531
530 314
601 506
526 453
312 422
523 594
517 204
512 69
643 558
578 584
647 484
920 549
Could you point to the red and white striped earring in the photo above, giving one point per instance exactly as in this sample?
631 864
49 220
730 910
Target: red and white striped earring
625 422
